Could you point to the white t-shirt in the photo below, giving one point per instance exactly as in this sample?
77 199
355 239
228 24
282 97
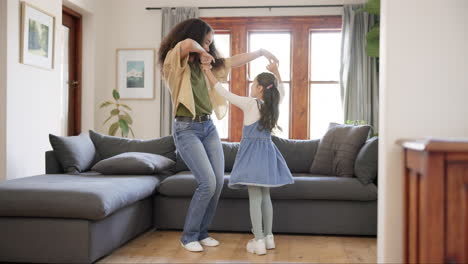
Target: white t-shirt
247 104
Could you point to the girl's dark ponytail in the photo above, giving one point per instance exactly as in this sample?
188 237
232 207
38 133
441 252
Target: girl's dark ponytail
269 110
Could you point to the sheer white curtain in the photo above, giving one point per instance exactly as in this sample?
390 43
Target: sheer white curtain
358 74
170 17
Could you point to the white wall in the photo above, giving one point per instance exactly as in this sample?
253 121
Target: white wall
424 89
129 25
3 37
32 104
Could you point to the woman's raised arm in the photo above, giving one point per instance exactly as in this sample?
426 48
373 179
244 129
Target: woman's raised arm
190 45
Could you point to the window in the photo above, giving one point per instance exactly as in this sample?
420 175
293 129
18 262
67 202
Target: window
280 45
223 44
325 95
308 50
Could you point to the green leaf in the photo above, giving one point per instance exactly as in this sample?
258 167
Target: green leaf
107 119
124 127
126 106
106 103
127 118
372 7
373 37
115 112
113 128
116 94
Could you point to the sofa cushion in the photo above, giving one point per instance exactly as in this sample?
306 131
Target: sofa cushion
72 196
108 146
306 187
338 149
367 161
298 154
137 163
75 153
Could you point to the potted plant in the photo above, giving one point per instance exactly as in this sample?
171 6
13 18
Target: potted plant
119 112
373 36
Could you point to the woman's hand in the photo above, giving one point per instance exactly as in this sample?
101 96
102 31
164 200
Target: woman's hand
269 55
206 58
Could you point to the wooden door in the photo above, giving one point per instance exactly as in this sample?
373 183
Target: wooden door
71 74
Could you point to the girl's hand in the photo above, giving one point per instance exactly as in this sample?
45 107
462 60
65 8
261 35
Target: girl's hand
206 67
206 58
272 67
268 55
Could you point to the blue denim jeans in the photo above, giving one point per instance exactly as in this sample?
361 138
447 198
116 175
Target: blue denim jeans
199 146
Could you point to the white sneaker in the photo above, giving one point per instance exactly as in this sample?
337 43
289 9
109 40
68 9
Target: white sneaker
269 242
257 246
193 246
209 242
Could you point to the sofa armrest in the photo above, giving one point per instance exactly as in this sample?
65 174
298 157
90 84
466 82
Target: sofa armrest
52 164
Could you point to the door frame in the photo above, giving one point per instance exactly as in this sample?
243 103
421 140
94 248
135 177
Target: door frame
74 128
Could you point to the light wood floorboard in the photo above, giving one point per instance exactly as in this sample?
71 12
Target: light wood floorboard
164 247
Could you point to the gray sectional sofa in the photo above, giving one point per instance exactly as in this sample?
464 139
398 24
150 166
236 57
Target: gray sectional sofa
79 218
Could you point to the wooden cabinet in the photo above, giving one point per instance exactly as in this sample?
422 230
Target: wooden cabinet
436 201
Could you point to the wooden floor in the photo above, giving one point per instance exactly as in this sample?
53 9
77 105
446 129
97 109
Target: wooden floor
164 247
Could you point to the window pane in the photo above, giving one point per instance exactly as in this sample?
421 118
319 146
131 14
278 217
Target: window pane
222 125
223 44
325 52
277 43
283 120
325 107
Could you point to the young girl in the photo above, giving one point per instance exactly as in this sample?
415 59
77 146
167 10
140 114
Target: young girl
259 165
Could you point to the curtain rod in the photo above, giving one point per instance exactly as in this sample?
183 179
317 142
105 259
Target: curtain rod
241 7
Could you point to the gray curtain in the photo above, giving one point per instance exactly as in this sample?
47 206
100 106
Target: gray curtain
358 75
170 17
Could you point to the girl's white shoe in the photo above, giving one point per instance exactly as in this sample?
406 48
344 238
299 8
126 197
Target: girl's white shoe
192 246
269 242
209 242
257 246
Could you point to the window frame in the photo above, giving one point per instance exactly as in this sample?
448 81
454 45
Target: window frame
300 28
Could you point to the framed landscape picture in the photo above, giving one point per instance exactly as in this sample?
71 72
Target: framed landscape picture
135 73
37 37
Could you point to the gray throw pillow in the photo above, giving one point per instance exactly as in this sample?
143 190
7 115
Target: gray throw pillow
298 154
108 146
134 163
338 149
76 153
366 165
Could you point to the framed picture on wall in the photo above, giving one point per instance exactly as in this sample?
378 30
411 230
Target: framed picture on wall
135 73
37 37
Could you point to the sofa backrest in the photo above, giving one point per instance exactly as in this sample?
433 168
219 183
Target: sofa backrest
298 154
52 165
229 149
